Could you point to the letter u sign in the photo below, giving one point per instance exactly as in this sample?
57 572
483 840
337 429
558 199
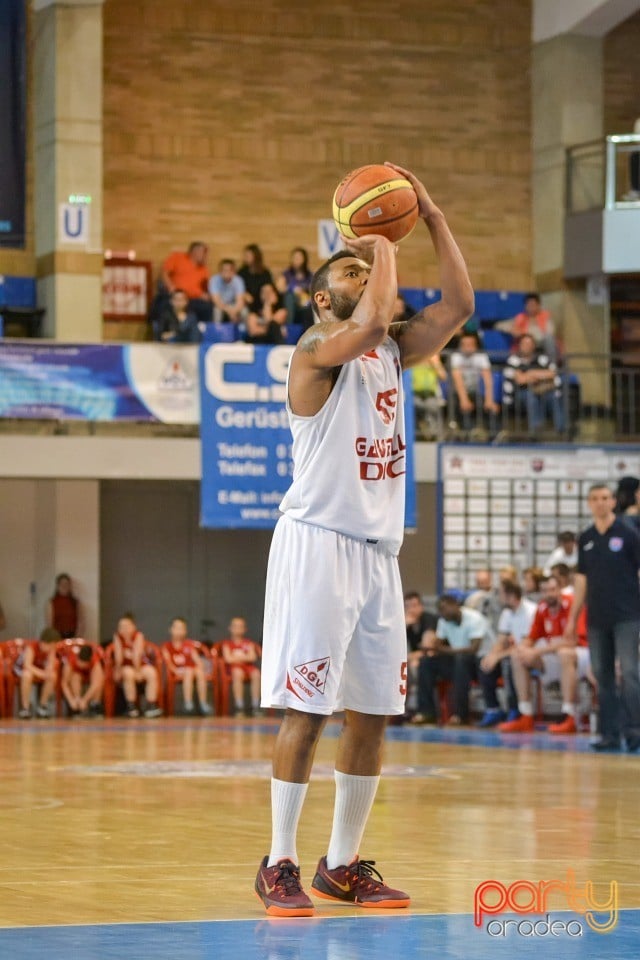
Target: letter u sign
73 223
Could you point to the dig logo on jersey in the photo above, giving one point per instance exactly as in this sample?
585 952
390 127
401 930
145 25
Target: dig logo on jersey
386 403
311 677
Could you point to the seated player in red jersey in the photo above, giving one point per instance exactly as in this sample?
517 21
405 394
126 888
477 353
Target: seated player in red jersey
241 656
185 663
83 679
132 666
37 665
542 651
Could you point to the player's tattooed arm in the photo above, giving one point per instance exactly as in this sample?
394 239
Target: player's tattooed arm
428 331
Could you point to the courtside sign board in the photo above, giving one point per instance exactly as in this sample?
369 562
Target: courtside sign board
246 441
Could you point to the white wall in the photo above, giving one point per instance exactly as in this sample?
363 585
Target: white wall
47 527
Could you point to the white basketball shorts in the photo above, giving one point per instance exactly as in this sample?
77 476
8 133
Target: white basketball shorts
334 633
552 669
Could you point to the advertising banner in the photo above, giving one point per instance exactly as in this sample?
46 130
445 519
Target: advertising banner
104 382
246 441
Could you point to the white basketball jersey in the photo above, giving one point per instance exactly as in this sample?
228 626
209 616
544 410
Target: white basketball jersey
350 458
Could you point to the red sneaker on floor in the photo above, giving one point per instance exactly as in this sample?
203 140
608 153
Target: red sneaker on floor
521 725
357 883
280 890
568 725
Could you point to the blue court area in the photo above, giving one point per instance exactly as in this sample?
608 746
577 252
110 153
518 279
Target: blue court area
363 937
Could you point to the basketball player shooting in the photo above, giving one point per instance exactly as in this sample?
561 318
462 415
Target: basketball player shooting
334 631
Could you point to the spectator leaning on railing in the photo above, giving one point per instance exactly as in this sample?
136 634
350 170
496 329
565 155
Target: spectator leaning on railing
474 403
531 388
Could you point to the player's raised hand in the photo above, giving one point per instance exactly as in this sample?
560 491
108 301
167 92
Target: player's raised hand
426 206
365 247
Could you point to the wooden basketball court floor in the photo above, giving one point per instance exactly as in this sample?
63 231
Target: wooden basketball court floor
142 839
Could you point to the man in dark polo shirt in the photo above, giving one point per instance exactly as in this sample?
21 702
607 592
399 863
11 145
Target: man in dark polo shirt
421 633
607 578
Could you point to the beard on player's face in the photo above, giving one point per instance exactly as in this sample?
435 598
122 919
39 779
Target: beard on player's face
342 306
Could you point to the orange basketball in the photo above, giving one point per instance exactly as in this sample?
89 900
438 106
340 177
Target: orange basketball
375 199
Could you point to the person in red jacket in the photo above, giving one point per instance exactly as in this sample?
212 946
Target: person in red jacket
64 612
37 665
184 662
542 651
83 679
241 655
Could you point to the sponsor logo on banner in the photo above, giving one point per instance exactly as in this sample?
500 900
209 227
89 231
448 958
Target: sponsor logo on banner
533 900
166 380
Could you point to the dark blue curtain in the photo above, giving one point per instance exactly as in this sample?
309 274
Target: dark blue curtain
13 94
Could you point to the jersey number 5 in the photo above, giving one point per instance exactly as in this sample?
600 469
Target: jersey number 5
403 679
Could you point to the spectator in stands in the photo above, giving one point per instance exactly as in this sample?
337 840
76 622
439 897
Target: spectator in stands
241 656
514 624
37 666
564 575
485 599
176 322
188 271
185 663
540 652
83 679
228 294
535 321
132 665
294 285
461 635
421 633
532 579
565 552
473 384
428 401
64 611
627 494
255 275
267 325
531 387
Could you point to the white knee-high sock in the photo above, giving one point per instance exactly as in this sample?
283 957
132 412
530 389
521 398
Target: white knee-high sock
286 806
354 799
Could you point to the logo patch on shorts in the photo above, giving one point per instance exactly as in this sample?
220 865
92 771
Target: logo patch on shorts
313 675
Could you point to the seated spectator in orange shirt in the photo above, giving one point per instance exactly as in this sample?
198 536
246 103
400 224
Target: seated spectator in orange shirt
183 661
535 321
83 679
188 271
267 325
37 665
177 323
241 655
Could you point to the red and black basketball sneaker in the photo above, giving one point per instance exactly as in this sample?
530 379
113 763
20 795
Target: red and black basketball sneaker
357 883
280 890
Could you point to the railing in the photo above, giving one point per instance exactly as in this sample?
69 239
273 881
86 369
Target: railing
603 174
595 399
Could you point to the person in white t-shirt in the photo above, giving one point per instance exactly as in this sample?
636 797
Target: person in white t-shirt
462 635
473 383
334 633
514 624
565 552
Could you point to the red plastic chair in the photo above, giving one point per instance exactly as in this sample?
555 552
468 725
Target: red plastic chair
171 681
11 650
154 655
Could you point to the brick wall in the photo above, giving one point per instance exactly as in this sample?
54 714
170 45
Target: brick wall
232 122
